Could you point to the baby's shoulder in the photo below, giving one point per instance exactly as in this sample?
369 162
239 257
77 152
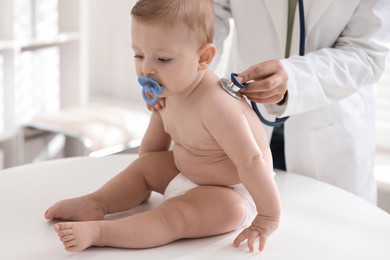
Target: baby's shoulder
220 99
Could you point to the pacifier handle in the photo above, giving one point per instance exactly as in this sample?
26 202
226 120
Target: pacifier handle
233 78
151 86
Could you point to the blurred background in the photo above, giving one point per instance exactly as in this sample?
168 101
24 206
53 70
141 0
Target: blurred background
56 54
60 54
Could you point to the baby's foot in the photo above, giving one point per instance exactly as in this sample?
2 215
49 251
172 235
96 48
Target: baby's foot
78 209
77 236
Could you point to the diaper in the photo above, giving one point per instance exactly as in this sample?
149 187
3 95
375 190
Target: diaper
181 184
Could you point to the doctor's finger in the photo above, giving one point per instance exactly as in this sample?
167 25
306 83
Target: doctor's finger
272 96
265 100
274 83
263 70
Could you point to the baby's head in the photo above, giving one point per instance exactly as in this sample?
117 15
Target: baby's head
196 15
172 42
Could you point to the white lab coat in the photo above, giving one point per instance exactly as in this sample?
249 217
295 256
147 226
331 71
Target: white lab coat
331 91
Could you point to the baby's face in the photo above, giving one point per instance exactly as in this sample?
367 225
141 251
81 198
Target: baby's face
167 54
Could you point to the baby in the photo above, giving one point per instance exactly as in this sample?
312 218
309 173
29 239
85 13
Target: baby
219 175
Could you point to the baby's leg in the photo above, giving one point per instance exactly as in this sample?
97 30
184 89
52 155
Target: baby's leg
132 186
203 211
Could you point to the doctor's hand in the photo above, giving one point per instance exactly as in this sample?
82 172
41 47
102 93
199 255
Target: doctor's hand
267 82
261 228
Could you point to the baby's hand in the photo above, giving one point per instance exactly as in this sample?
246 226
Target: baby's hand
261 228
158 105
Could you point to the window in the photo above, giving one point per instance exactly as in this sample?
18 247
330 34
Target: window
37 85
39 58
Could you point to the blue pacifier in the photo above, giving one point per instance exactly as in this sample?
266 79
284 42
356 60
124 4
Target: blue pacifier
151 86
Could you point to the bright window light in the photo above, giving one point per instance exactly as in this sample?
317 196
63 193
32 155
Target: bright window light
37 83
46 18
23 19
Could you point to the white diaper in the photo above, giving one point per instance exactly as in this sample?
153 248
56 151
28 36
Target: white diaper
181 184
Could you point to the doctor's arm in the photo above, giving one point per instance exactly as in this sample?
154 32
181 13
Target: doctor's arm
356 59
333 69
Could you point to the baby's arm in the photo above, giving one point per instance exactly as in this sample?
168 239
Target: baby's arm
264 192
232 131
155 138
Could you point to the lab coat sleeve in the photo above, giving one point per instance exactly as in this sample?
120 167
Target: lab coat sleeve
327 75
222 27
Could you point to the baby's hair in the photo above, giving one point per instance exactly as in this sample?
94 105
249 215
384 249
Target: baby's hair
197 15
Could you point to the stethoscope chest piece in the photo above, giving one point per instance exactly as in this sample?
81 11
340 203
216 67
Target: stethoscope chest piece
230 88
233 87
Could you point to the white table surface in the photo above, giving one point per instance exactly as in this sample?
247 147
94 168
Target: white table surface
318 221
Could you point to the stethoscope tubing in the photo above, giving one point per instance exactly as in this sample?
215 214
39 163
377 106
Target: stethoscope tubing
302 29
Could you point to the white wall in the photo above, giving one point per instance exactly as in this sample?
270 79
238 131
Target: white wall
111 70
111 63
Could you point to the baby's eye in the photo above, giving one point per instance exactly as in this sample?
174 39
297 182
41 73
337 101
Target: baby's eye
138 57
164 60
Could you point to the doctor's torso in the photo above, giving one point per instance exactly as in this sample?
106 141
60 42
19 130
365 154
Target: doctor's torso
261 28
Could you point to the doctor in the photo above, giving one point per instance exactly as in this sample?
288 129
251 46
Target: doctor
329 93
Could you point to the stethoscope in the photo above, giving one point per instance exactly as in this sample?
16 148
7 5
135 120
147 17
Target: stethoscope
231 86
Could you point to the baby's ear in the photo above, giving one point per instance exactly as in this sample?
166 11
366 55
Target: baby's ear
207 53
